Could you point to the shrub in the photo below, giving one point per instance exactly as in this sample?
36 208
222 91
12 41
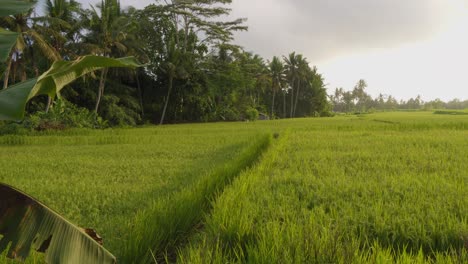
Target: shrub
450 112
119 113
251 114
62 115
12 128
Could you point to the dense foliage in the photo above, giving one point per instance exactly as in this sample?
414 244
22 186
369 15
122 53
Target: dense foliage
193 71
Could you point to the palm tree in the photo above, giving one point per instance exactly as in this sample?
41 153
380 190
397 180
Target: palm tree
28 40
257 68
303 76
60 23
170 67
106 37
276 69
58 26
292 64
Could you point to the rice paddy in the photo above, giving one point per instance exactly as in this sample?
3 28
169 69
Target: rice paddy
377 188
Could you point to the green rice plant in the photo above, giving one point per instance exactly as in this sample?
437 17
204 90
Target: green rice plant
81 173
159 230
349 190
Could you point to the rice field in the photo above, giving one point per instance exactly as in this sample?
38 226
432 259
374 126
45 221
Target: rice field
370 189
377 188
106 180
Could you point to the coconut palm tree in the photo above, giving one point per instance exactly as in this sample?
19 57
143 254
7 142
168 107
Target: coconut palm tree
303 76
292 64
107 33
277 75
23 50
60 23
170 67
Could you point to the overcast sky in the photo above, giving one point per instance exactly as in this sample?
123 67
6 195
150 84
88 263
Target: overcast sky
400 47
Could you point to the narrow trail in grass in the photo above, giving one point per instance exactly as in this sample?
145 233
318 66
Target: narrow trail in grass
159 232
216 230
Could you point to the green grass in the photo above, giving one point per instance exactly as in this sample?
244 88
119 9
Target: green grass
376 188
106 180
348 191
161 229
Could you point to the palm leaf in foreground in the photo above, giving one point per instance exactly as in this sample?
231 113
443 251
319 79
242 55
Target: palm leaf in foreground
7 40
28 224
13 99
10 7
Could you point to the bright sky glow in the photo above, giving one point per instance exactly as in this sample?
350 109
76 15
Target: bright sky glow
434 68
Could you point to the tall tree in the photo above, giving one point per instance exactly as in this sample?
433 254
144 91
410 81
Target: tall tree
58 25
106 36
61 24
170 67
28 40
303 77
176 26
292 64
277 75
200 16
360 96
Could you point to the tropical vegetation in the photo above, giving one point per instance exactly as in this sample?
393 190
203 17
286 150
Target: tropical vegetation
193 73
358 185
193 70
359 101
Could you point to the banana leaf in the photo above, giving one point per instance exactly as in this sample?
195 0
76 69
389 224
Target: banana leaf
13 7
7 40
13 99
28 224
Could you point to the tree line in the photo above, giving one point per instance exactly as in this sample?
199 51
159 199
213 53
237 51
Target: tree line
358 100
193 72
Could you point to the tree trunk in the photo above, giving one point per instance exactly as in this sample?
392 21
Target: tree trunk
24 75
140 95
49 103
273 104
102 83
284 104
167 100
7 73
14 70
186 33
176 25
297 97
292 99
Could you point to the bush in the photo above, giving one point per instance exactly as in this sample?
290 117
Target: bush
251 114
450 112
118 113
12 128
63 115
226 114
327 114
